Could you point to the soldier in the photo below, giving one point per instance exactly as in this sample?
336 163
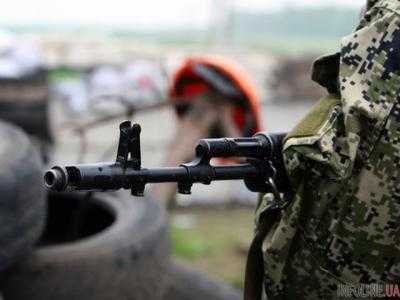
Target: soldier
219 100
341 226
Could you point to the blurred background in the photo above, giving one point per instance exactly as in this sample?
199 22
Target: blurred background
60 60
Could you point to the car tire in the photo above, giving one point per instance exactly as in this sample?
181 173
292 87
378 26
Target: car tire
96 247
25 102
22 201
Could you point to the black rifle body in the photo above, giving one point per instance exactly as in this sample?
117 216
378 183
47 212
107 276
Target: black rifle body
262 153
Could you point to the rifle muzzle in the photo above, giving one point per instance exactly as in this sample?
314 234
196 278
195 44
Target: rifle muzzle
56 179
88 177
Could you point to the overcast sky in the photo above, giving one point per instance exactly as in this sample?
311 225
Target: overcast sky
147 13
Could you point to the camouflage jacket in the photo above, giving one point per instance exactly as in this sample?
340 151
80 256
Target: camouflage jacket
343 223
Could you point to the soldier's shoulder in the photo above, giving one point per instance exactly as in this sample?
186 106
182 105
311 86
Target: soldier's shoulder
392 5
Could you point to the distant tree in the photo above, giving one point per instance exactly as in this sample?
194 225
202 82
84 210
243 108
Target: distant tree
327 22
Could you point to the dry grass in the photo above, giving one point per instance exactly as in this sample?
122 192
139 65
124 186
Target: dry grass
214 240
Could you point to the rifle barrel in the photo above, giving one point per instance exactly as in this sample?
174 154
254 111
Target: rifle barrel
262 151
112 176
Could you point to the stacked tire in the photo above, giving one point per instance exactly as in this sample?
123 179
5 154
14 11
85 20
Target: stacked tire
72 246
22 199
100 246
24 101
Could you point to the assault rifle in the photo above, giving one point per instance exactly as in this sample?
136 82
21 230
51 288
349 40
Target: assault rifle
262 171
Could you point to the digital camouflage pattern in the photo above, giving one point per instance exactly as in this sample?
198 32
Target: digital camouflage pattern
343 160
